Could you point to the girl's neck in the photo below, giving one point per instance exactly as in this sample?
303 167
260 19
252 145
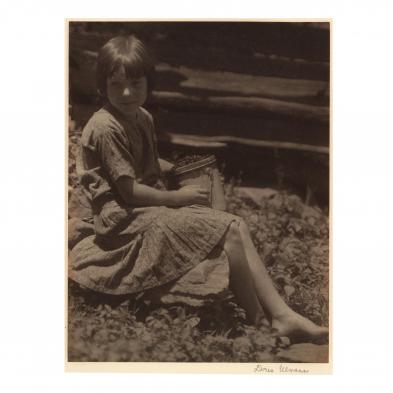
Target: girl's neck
129 117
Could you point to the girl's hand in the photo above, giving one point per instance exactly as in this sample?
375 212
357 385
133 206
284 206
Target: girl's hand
193 195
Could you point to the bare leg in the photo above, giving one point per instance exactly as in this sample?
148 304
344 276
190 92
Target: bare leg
241 281
266 292
285 321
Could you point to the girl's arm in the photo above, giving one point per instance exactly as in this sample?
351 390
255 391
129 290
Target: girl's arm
165 166
134 193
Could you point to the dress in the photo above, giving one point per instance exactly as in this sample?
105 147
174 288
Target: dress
133 248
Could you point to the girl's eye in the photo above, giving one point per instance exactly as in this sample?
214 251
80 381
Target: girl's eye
134 84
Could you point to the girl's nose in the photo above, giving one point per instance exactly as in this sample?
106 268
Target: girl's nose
126 91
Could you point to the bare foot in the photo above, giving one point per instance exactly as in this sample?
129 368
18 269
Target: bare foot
298 328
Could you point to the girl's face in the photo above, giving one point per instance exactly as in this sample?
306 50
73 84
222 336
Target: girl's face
126 94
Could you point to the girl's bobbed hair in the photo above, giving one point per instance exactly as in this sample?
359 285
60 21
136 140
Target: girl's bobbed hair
128 52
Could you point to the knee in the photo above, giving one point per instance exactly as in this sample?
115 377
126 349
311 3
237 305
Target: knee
239 226
237 229
243 228
233 234
238 232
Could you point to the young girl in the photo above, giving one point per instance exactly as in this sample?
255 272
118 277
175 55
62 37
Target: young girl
146 236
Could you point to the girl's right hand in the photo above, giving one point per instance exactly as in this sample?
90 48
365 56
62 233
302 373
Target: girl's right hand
193 195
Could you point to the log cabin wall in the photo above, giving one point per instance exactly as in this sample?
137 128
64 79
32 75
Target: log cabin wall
255 93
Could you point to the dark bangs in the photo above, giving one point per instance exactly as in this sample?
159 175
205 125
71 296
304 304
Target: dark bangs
128 52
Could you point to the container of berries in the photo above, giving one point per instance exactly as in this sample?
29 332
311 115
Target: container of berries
199 170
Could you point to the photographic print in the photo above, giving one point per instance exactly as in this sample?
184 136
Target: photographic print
198 194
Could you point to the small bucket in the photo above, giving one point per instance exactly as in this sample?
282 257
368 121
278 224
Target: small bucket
203 173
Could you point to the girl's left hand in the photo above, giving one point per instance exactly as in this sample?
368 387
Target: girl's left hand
192 195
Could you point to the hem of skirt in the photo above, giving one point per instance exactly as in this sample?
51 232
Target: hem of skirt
117 291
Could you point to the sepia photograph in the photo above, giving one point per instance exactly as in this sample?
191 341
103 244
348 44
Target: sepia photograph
198 214
196 197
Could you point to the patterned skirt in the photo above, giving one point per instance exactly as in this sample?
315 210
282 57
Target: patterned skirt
129 250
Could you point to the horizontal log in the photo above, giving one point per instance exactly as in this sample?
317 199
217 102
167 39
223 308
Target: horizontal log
251 127
224 140
242 105
237 84
191 141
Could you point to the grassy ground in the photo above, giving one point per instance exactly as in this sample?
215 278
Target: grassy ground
292 239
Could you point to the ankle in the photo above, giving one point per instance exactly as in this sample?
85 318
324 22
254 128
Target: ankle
282 314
